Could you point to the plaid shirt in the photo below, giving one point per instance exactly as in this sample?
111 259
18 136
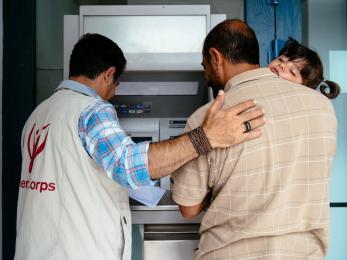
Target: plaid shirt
107 144
270 195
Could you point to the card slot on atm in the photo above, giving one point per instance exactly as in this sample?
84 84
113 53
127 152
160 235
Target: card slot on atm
177 123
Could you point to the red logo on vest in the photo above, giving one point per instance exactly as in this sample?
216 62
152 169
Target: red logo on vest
34 146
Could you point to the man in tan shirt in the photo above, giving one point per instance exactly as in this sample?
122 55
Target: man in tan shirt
268 198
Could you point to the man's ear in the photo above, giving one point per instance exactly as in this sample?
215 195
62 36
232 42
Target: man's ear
109 73
216 57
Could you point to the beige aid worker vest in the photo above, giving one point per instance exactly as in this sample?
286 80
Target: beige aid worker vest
67 207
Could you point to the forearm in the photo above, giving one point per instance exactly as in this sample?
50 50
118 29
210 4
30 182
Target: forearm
167 156
111 149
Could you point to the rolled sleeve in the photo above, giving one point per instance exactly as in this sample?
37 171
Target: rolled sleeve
107 144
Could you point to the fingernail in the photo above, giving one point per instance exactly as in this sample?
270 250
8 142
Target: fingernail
255 101
263 110
220 92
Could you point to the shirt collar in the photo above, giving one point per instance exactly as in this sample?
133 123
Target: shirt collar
249 76
78 87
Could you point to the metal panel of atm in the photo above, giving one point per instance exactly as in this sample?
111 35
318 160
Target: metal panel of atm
162 229
153 101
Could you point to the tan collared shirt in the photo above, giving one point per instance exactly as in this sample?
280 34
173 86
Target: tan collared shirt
270 195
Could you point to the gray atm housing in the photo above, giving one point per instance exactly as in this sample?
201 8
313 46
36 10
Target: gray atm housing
162 230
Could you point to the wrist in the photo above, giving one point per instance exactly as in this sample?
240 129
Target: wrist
200 141
209 136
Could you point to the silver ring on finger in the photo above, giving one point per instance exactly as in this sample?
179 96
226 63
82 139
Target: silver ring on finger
247 126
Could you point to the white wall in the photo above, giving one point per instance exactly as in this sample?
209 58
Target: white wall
324 29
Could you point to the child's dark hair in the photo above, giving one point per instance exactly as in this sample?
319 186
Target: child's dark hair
312 69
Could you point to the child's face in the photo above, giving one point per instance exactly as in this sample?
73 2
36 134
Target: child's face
289 70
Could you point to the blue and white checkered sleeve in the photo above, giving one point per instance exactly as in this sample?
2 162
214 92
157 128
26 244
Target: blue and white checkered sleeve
114 151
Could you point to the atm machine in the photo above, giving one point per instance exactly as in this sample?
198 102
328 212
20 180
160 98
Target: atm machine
162 85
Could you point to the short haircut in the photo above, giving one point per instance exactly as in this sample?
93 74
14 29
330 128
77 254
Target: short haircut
235 40
94 54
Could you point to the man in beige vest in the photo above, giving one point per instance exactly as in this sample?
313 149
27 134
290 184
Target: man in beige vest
268 198
78 162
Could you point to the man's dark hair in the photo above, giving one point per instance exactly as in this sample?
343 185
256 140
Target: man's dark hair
235 40
94 54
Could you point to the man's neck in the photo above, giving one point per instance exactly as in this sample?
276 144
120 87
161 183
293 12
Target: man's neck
88 82
83 80
235 69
